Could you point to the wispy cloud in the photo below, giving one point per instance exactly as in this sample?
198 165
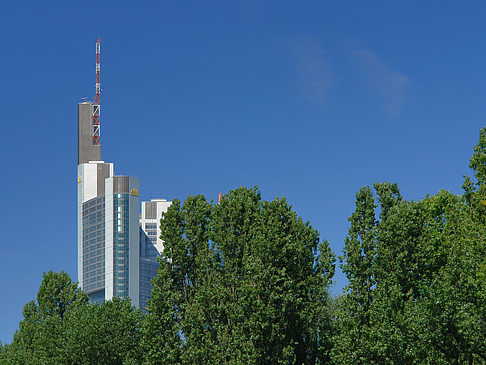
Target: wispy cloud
314 77
391 86
13 255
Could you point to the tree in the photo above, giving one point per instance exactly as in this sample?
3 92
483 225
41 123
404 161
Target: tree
352 336
108 333
63 328
416 290
38 339
244 281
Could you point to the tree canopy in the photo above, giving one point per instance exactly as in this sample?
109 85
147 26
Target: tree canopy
244 281
416 271
63 328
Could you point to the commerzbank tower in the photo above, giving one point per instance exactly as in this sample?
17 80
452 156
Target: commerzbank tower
117 245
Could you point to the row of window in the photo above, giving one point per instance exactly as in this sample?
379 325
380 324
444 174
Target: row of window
94 234
120 257
94 266
93 279
94 260
97 200
98 208
147 273
91 254
92 241
92 228
94 272
94 209
99 285
93 219
93 246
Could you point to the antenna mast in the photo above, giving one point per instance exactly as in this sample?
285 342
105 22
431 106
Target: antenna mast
96 101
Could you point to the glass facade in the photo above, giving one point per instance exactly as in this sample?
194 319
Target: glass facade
151 231
109 264
148 267
93 236
120 244
97 297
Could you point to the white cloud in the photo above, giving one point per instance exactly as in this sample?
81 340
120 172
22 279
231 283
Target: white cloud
391 86
314 77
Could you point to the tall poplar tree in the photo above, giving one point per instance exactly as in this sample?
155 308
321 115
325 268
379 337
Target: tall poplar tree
241 282
416 270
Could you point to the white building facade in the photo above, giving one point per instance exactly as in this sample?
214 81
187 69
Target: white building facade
116 258
150 220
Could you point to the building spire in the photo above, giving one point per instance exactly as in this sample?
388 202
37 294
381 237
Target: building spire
96 101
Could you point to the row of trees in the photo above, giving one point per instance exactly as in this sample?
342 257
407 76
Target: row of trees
416 290
61 327
246 282
417 276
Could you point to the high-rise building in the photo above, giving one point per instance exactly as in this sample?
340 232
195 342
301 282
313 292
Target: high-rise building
116 258
152 244
115 255
150 220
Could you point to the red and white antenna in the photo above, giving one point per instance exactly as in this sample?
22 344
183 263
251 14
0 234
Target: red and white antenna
96 101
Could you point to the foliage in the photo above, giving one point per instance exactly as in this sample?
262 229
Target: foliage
38 339
417 289
246 282
108 333
240 282
62 328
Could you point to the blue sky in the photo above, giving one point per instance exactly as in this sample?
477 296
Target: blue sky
308 100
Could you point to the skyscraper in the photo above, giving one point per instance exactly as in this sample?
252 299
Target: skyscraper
152 244
150 220
115 255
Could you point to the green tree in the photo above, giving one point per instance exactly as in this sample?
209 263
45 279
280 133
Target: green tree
357 263
416 281
62 328
244 281
108 333
38 339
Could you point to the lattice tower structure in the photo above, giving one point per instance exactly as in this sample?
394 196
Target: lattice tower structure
96 101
